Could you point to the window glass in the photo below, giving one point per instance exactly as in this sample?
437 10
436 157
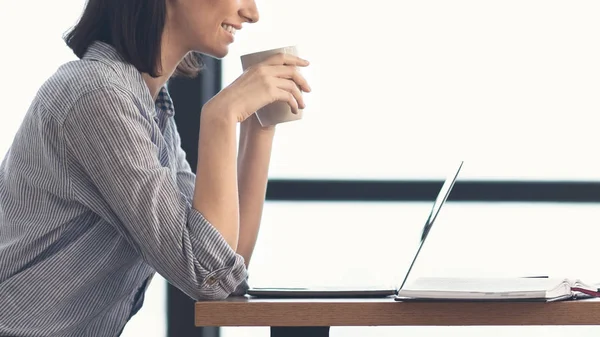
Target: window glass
401 87
353 244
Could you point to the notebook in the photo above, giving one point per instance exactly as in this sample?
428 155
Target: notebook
494 289
287 292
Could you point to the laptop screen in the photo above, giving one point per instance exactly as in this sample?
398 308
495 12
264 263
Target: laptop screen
435 209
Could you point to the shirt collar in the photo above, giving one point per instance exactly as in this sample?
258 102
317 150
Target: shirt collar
102 51
107 54
164 101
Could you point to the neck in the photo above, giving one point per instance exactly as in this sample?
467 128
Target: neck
170 58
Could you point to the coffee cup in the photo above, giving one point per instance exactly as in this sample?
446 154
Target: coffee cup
276 112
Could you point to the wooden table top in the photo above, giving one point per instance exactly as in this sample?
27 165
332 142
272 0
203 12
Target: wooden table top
248 311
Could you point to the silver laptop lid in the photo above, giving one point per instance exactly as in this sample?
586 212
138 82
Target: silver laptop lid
435 209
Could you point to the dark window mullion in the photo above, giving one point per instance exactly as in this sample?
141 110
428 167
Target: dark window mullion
420 190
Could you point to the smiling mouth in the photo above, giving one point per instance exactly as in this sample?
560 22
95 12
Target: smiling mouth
230 29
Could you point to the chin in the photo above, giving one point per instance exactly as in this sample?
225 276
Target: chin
216 52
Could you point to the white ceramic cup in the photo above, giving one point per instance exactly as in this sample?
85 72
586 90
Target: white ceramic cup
277 112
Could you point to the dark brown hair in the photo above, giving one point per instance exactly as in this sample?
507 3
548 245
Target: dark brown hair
134 28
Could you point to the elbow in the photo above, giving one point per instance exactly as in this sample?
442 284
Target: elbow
221 292
211 296
219 286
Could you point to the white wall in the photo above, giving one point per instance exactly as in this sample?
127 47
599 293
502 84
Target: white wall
31 48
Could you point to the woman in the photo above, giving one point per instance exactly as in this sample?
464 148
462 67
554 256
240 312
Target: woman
95 193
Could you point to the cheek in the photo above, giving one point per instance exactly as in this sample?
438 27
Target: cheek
201 25
201 20
225 8
223 4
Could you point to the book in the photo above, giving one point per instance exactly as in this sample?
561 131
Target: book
487 288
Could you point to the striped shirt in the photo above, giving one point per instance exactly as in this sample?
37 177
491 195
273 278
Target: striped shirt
95 197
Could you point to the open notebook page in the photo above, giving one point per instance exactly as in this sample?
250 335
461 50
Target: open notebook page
438 287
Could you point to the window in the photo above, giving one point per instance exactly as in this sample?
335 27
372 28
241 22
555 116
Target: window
32 49
403 89
400 87
374 244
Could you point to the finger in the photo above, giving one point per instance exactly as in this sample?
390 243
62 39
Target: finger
285 96
291 87
293 74
286 59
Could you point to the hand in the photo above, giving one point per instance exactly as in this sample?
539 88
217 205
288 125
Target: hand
275 79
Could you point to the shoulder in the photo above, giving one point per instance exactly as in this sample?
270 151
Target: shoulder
90 81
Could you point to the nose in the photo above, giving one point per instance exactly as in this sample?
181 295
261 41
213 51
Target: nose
249 11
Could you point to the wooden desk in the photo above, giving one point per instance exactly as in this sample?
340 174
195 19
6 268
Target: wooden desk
315 316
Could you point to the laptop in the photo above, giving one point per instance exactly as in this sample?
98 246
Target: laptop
368 292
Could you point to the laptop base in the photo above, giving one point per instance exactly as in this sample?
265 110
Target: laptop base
320 293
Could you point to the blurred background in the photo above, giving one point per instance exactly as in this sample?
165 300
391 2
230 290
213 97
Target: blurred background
401 91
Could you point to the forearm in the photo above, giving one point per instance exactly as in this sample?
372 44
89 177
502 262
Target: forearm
216 190
253 166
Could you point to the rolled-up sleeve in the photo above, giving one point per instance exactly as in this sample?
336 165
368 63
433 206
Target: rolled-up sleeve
116 148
